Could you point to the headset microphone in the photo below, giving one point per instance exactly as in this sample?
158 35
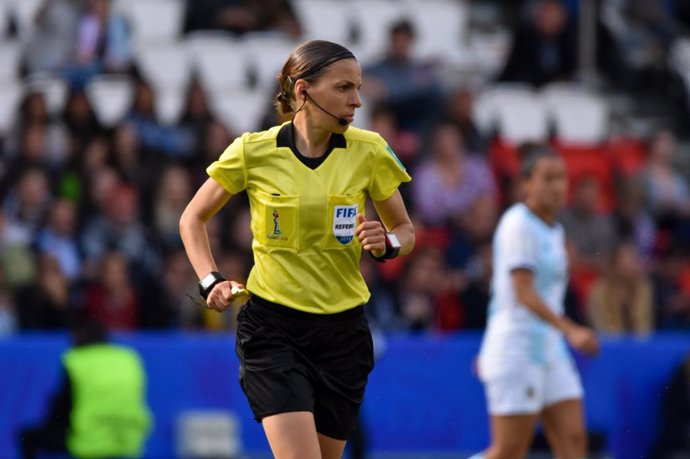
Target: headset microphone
341 120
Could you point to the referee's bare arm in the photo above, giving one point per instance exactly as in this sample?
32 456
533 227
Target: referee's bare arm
208 200
394 216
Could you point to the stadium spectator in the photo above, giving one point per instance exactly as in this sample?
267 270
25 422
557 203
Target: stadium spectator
131 162
621 300
406 144
459 109
194 121
103 43
16 258
168 306
471 229
59 239
26 204
50 46
591 232
34 115
98 186
672 287
156 139
544 49
171 197
409 86
243 16
111 297
80 119
632 220
666 191
451 178
45 303
643 31
118 226
423 280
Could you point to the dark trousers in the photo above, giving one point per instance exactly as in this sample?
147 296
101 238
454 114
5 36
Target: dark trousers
42 439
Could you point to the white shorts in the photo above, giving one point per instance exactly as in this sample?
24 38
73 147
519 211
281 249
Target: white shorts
530 388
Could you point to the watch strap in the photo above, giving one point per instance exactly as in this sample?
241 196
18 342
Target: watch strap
392 250
209 281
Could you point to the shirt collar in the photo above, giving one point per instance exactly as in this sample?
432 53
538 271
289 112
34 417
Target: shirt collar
286 138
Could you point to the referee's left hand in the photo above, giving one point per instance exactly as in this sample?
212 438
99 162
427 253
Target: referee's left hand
372 235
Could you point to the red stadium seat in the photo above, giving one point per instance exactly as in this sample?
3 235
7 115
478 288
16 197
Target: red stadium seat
505 165
627 156
591 161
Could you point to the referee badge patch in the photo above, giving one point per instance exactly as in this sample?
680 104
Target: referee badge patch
344 223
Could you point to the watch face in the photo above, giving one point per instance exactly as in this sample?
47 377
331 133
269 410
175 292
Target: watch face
207 280
393 240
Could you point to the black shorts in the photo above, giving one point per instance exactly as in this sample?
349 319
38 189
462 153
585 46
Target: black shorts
295 361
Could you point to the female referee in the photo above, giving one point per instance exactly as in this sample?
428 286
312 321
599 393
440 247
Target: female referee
524 363
304 344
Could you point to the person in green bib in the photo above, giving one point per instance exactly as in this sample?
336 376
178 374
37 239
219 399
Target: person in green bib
100 411
303 340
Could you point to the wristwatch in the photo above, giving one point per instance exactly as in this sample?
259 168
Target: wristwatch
209 281
392 248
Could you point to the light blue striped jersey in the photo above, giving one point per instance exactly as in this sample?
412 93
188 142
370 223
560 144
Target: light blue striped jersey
514 334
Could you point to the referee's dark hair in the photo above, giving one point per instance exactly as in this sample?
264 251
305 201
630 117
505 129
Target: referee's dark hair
308 62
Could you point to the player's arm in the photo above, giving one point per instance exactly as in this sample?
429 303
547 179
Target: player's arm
395 220
207 201
581 338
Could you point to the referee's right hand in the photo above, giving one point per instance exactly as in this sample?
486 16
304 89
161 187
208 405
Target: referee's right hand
372 235
221 297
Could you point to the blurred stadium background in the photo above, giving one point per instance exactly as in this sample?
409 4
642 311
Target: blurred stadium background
111 110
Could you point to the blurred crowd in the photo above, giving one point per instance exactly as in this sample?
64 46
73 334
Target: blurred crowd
89 216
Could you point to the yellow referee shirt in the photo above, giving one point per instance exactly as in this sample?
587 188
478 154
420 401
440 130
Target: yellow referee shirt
303 212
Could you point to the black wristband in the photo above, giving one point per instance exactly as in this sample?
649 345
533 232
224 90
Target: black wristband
392 249
209 281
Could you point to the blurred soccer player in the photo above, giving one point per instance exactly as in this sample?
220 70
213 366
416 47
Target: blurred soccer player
524 363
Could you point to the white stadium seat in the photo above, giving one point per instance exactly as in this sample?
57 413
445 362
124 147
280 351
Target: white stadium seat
10 60
4 16
441 26
153 21
165 65
522 117
580 117
266 53
218 60
324 19
170 102
240 111
485 108
111 97
53 88
373 19
10 95
25 16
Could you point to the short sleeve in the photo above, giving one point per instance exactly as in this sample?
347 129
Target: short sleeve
518 245
388 173
229 170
